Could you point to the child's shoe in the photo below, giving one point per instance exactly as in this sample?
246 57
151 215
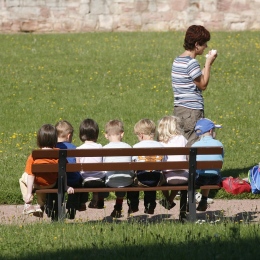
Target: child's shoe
132 210
28 209
82 207
100 204
96 205
149 211
116 214
202 205
166 204
38 211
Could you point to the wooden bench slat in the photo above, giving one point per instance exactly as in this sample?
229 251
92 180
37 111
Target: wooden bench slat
45 168
123 152
124 189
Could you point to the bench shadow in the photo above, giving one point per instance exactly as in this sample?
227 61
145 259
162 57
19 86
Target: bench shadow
220 216
142 218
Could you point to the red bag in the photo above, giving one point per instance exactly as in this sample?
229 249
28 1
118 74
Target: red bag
235 185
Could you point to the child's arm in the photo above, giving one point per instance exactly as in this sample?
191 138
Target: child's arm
30 182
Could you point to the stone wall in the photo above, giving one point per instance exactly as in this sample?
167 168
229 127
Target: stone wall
126 15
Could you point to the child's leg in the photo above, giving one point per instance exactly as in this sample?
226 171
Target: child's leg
133 201
166 194
149 201
172 195
116 213
119 200
94 197
23 185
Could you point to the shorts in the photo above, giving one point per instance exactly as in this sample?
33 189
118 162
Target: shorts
176 177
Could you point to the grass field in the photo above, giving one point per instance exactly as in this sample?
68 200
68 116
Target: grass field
45 78
134 240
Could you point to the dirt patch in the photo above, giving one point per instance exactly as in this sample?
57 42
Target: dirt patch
220 210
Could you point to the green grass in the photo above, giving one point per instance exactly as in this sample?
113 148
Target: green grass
134 240
126 76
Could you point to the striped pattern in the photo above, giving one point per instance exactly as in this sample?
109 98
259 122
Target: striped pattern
186 93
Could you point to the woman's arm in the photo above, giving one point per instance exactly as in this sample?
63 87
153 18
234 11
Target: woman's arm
203 80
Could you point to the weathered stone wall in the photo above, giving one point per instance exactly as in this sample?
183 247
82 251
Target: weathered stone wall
127 15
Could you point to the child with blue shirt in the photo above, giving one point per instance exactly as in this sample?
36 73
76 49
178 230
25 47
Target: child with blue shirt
205 129
65 134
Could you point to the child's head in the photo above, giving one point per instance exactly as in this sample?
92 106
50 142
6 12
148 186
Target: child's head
145 127
114 128
88 130
168 127
204 126
47 136
64 130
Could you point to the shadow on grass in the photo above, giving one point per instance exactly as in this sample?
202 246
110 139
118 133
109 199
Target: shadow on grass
220 216
195 247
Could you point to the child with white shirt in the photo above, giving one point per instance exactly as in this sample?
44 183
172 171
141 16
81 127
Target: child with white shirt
114 132
170 135
145 130
88 133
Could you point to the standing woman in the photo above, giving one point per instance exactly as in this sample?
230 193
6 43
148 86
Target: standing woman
188 80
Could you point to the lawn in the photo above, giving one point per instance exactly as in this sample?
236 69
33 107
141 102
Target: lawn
133 240
45 78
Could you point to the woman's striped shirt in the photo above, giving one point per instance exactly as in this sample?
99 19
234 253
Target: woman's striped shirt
184 71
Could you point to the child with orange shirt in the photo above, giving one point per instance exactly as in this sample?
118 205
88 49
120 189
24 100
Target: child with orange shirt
46 139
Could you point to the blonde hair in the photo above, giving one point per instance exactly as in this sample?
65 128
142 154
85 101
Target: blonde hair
114 127
64 128
168 127
145 126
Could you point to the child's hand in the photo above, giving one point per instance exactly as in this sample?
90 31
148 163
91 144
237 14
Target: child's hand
70 190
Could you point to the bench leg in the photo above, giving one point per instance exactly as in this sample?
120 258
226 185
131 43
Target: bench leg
183 205
192 206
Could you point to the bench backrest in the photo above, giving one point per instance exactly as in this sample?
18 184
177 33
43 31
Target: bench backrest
190 152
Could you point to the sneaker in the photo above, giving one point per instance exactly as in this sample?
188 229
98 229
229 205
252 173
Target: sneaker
28 209
38 208
149 211
116 214
100 204
82 207
71 213
202 205
166 204
132 210
198 197
38 211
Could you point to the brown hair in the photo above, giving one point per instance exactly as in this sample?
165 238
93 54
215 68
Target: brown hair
47 136
195 33
115 127
145 126
88 130
64 128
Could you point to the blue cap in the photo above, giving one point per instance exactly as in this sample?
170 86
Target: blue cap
204 125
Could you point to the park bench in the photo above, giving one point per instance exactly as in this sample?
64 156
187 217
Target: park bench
192 165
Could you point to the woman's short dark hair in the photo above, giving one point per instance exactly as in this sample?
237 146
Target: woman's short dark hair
195 33
88 130
47 136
